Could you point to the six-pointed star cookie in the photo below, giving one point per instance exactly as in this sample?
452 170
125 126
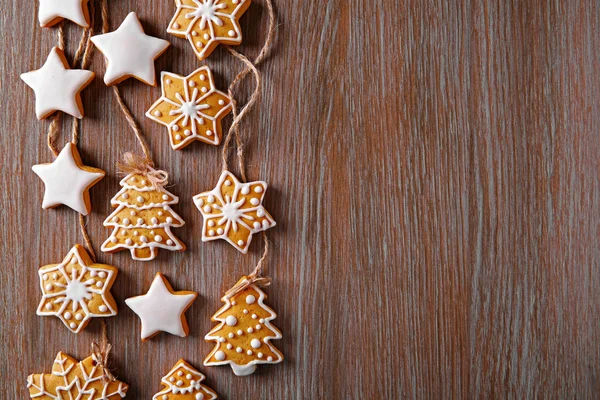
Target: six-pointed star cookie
208 23
130 52
162 309
68 181
233 211
57 87
77 290
52 12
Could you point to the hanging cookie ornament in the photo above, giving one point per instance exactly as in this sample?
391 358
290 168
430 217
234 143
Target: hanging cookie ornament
51 12
183 383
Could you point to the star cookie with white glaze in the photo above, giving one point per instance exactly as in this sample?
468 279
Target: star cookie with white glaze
68 181
191 108
77 290
208 23
51 12
183 383
130 52
162 309
233 211
57 87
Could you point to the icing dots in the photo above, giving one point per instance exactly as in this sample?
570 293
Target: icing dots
183 382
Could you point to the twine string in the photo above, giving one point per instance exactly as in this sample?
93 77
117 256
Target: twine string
132 163
101 353
254 278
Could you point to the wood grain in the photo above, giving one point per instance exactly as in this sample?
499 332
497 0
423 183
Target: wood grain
433 168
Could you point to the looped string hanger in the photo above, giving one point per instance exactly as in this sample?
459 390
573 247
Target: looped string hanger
254 278
101 353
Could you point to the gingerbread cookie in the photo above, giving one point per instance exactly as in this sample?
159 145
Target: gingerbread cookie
68 181
71 379
130 52
57 87
51 12
183 383
143 219
208 23
244 332
162 309
233 211
77 290
191 108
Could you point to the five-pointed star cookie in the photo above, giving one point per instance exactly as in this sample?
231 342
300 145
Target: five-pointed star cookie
162 309
77 290
52 12
233 211
57 87
191 108
68 181
130 52
208 23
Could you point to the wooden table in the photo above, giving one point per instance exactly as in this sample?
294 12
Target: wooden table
433 168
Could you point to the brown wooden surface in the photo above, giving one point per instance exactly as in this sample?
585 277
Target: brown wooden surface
433 167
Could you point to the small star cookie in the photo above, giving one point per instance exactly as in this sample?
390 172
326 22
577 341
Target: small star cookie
130 52
162 309
183 383
77 290
71 379
233 211
191 108
51 12
208 23
57 87
68 181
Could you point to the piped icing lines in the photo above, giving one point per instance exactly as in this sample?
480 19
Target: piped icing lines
162 309
244 332
130 52
52 12
208 23
142 220
183 383
68 181
191 108
57 87
233 211
77 290
71 379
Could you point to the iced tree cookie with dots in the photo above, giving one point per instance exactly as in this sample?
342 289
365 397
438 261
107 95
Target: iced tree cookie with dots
162 309
51 12
143 219
71 379
130 52
183 383
244 332
77 290
68 181
191 108
233 211
57 87
208 23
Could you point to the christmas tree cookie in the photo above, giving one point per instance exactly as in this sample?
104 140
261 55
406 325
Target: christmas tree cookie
244 332
183 383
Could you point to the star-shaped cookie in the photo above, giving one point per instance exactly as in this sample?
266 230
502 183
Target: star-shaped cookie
130 52
57 87
68 181
208 23
162 309
233 211
52 12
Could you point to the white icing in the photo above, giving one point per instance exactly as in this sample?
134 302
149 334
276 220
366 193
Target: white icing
231 320
130 52
52 10
255 343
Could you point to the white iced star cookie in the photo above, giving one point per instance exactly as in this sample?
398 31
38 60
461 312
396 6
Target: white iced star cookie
68 181
52 12
130 52
162 309
57 87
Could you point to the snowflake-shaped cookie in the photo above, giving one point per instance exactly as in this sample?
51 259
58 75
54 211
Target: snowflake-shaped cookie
208 23
233 211
191 108
77 290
